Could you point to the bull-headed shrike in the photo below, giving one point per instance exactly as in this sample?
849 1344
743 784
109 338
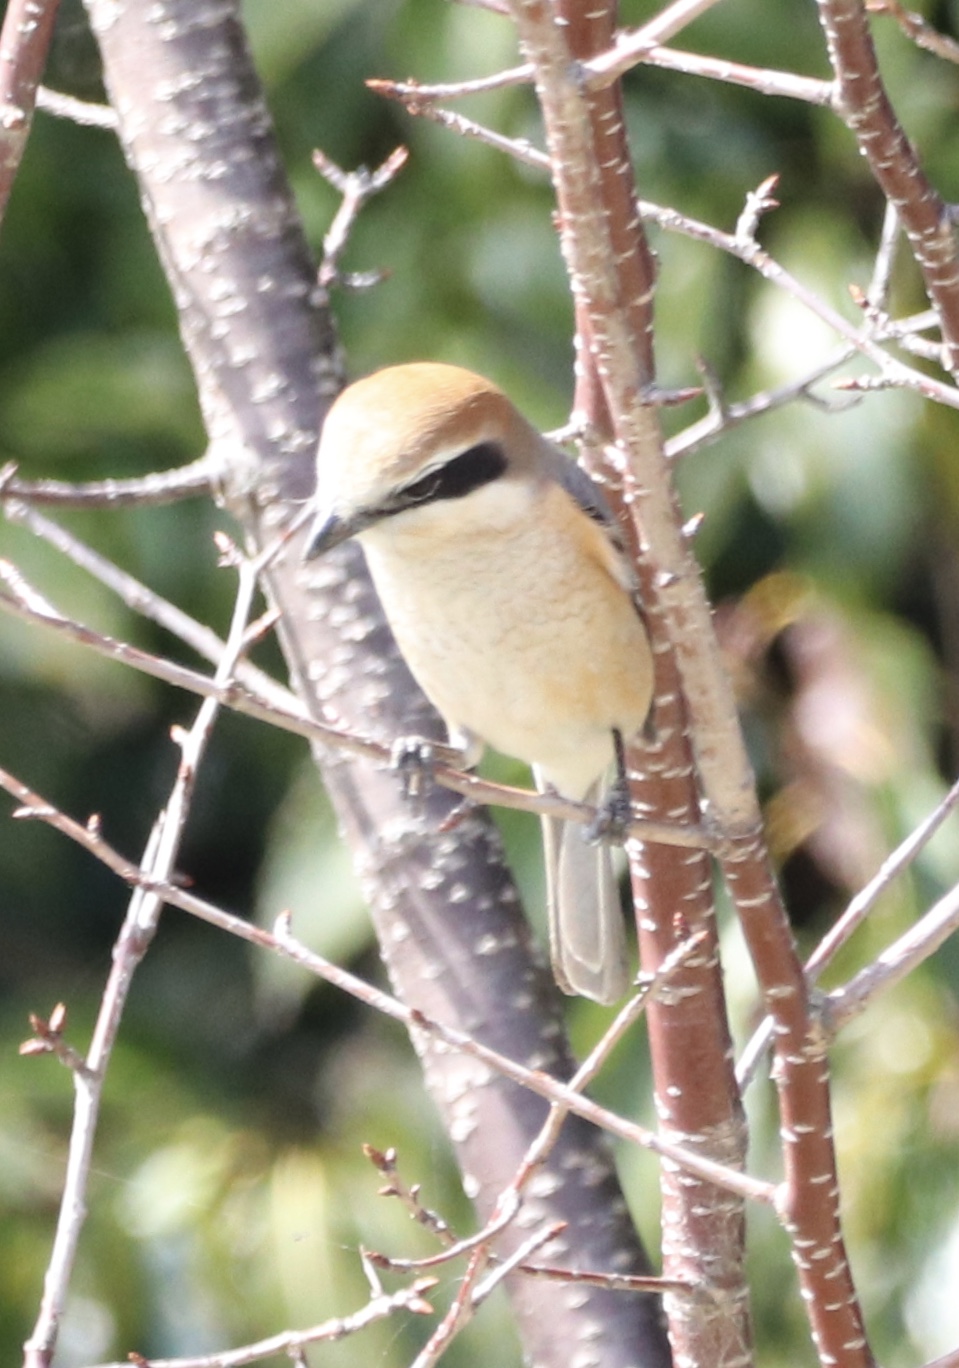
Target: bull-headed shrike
502 577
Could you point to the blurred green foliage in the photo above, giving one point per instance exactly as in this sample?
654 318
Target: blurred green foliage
230 1194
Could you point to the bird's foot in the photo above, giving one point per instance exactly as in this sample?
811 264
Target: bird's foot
611 823
413 759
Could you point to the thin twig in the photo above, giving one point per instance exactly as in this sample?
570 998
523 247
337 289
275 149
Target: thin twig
77 111
895 962
633 48
459 1314
162 487
292 1343
284 943
520 149
355 188
917 28
394 1186
18 598
147 602
24 43
750 252
136 934
855 914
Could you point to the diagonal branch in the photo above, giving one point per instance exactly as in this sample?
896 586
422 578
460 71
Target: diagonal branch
24 42
867 110
621 351
136 934
282 941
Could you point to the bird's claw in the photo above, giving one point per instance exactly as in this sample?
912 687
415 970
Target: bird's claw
612 820
413 759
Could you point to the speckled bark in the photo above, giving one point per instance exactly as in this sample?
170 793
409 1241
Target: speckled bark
198 137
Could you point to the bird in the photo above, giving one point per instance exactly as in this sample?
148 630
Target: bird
504 580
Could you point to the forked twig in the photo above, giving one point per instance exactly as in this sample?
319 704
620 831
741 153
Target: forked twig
139 926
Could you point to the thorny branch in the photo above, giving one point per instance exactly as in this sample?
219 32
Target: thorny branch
867 109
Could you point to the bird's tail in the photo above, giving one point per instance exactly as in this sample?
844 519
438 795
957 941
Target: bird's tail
587 935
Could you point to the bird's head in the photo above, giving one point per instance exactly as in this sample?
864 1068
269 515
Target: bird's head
412 438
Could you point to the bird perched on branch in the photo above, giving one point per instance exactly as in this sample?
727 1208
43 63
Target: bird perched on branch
501 574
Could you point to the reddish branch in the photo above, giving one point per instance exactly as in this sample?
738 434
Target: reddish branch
696 1095
621 349
868 112
24 42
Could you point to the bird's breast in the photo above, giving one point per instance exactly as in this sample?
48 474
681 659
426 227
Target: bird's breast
523 637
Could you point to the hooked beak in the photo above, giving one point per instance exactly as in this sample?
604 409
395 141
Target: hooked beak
327 531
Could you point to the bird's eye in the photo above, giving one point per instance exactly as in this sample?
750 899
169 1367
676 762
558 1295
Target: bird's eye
423 490
477 466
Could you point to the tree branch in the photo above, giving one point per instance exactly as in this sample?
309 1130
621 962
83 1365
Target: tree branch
868 112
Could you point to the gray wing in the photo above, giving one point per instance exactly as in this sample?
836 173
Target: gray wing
584 491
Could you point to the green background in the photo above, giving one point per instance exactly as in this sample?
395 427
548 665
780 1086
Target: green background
229 1192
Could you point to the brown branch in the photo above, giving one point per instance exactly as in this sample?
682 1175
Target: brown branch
292 1343
163 487
284 943
868 112
724 772
600 227
24 43
853 917
20 600
917 28
136 934
895 962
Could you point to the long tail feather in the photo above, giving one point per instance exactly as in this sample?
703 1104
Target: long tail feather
586 930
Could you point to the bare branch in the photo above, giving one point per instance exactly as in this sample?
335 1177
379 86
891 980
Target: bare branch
292 1343
633 48
896 961
866 108
24 42
356 188
755 256
283 942
20 600
77 111
135 937
917 28
148 603
520 149
853 917
164 487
